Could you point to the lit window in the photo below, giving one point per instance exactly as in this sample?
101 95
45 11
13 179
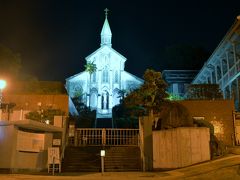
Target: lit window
94 77
105 76
116 77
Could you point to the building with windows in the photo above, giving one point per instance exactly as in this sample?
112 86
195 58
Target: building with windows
223 66
178 80
100 90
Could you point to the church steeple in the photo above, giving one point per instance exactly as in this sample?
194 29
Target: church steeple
106 34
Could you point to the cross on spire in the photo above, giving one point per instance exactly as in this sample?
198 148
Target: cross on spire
106 12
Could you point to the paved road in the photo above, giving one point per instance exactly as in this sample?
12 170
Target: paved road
221 169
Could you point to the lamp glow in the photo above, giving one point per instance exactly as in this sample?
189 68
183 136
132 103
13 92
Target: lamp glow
102 153
2 84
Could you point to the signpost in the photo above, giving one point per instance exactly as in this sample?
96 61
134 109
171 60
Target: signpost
102 153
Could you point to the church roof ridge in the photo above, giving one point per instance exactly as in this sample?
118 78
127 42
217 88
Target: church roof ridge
102 48
73 76
138 78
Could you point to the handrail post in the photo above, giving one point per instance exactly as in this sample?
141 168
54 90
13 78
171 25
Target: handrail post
75 137
103 136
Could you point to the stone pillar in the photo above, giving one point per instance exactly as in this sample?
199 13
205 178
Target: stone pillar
221 68
215 71
145 124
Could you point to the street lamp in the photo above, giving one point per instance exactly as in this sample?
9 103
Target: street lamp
2 86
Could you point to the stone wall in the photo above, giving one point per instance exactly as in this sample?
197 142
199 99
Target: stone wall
180 147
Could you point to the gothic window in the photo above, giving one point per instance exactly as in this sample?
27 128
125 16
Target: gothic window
105 76
93 98
116 77
219 75
94 77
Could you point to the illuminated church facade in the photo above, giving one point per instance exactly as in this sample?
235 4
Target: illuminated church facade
101 91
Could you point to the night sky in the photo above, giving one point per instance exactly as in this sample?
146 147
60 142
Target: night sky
54 37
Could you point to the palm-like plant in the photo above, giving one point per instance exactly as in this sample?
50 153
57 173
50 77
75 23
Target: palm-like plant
90 67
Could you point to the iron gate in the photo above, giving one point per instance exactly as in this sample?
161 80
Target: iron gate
108 137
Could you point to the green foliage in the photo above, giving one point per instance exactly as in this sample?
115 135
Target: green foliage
174 97
204 91
90 67
150 95
45 114
121 94
125 117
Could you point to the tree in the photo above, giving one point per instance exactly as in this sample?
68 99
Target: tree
150 95
90 67
204 91
121 94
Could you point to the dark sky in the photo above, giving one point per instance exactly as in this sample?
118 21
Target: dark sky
54 37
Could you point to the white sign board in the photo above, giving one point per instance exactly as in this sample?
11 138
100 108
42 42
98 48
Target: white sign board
56 142
31 142
53 153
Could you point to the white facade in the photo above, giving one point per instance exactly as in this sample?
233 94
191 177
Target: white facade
223 66
102 92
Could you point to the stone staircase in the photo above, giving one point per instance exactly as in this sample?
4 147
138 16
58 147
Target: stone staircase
122 159
87 159
81 159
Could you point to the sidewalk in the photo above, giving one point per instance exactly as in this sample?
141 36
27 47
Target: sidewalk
221 169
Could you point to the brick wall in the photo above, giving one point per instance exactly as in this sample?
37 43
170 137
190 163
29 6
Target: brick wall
217 112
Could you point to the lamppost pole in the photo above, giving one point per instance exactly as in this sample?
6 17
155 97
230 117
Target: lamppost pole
2 86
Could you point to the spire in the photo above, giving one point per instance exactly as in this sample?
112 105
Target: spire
106 34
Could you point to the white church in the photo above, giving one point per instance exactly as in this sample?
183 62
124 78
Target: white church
100 92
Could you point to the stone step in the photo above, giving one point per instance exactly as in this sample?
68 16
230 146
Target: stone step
83 159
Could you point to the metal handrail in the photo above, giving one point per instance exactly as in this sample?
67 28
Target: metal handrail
106 136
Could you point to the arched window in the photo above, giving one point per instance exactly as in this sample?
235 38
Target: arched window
94 77
116 77
93 98
105 76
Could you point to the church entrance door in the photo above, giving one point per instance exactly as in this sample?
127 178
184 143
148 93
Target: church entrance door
105 102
